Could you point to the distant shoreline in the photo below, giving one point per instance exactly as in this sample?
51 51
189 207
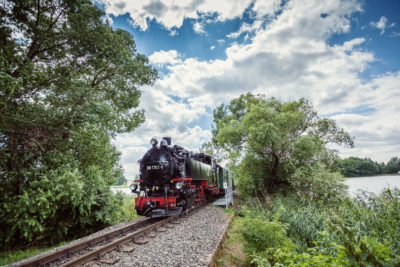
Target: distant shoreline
389 174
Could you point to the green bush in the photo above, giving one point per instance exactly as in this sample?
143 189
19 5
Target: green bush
266 244
304 218
294 231
260 235
361 250
374 216
316 183
67 196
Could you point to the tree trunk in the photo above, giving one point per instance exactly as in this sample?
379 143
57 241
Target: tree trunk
274 174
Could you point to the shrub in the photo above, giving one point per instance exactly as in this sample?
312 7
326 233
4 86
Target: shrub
316 183
294 231
373 216
260 235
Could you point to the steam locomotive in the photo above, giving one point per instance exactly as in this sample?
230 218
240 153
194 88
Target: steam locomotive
173 179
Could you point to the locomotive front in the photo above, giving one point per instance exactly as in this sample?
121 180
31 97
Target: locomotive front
163 187
157 165
173 179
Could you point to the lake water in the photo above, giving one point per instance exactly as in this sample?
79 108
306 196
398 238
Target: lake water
125 190
374 184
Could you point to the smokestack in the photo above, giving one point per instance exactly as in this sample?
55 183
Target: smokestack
168 139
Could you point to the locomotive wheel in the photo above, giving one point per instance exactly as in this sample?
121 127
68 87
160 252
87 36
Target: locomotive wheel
192 202
185 207
189 202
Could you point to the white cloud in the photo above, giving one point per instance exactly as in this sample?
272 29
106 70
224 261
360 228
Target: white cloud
162 58
378 133
212 47
173 32
198 27
263 8
164 117
381 24
171 13
246 28
289 58
108 19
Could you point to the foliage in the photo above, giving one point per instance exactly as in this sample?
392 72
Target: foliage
211 149
121 181
260 235
316 183
354 232
270 141
356 167
393 165
68 81
127 213
128 209
375 216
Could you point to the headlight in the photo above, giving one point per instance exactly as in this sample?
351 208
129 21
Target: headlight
132 186
178 185
153 141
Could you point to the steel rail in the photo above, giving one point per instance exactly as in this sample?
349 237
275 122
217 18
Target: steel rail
47 258
67 251
95 254
111 246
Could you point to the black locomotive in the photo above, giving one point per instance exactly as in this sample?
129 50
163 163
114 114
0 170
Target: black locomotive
173 179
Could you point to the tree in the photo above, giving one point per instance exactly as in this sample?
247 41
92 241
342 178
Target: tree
121 181
356 167
68 81
350 167
393 165
210 149
274 143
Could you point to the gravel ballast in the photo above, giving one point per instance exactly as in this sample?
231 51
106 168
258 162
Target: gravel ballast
191 242
96 234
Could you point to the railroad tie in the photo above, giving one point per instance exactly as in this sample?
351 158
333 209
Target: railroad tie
126 249
140 242
108 261
151 235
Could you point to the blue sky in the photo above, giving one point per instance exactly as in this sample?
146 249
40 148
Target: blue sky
191 44
341 54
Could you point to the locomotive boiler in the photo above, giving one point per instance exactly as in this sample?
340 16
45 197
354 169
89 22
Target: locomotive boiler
173 179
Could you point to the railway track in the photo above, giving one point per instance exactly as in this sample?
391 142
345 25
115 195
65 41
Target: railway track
87 250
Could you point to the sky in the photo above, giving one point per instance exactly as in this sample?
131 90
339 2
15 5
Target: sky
342 55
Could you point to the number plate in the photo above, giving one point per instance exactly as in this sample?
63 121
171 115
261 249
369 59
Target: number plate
155 167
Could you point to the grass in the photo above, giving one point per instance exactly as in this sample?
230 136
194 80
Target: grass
120 186
232 252
229 211
7 257
128 209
